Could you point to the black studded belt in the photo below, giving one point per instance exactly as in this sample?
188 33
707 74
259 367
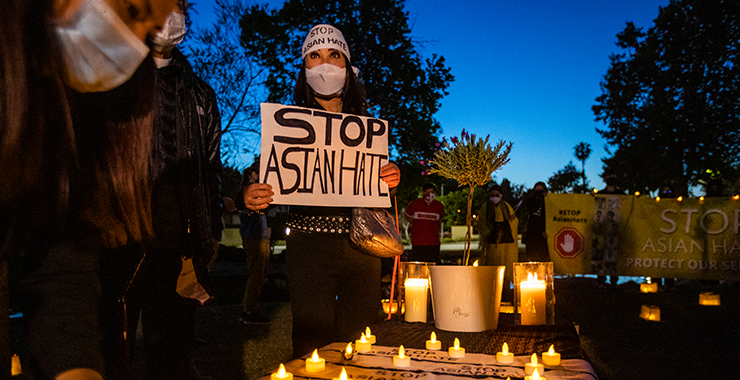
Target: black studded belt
331 224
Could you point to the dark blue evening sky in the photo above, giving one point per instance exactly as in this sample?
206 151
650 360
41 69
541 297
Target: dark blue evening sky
525 71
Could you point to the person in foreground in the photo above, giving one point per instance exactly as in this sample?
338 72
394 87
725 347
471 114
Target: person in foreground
334 288
75 132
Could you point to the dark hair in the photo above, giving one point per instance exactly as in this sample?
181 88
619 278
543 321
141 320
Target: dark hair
354 100
496 187
540 183
69 157
429 185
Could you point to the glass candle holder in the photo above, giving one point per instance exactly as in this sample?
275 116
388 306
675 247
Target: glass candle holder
413 290
534 294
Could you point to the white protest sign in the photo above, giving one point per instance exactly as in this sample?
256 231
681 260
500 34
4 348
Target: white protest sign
319 158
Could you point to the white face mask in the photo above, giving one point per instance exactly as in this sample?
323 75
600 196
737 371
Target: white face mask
495 200
429 198
100 51
326 79
172 33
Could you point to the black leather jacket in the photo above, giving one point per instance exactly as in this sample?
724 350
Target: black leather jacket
187 199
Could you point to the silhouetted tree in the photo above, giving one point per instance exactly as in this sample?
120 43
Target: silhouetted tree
671 101
582 151
565 180
402 87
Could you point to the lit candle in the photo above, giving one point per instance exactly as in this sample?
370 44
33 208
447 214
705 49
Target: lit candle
529 368
533 306
16 366
370 337
363 345
535 376
315 363
342 375
348 353
650 313
551 357
456 351
505 356
401 360
433 344
649 286
281 374
416 299
709 299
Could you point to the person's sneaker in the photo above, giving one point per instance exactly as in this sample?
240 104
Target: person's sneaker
255 318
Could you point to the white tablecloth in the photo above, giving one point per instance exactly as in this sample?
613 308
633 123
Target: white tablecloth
437 365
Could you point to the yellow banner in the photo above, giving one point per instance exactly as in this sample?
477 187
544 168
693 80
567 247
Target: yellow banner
640 236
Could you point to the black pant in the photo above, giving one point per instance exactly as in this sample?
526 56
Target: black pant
424 253
334 290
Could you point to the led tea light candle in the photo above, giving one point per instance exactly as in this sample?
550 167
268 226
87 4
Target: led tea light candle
348 352
369 336
650 313
416 299
401 360
281 374
456 351
505 356
392 306
342 375
530 367
533 301
363 345
648 286
535 376
709 299
433 344
315 363
551 357
15 368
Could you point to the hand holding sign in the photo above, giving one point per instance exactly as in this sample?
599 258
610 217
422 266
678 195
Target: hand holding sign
258 196
390 174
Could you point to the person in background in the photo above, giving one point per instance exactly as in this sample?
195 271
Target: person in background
76 121
497 228
535 237
186 208
425 216
256 242
610 179
334 287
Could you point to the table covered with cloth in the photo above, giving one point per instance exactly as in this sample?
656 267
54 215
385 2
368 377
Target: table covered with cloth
479 361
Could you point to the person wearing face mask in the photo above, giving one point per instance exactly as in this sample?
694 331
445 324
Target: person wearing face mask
334 287
497 227
535 237
186 208
610 179
425 216
76 122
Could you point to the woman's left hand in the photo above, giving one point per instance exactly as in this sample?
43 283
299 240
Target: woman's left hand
390 174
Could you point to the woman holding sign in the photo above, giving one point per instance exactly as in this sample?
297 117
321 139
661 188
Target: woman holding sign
334 287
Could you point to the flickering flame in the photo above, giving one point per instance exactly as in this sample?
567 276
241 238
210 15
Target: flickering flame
433 337
701 199
315 356
457 344
281 371
505 349
531 278
534 359
637 193
349 348
648 279
551 351
475 264
362 338
401 352
679 199
343 375
657 199
736 197
595 190
367 331
535 374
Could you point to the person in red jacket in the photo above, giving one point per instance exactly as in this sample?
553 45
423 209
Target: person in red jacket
425 215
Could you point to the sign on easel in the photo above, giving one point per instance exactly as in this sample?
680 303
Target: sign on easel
319 158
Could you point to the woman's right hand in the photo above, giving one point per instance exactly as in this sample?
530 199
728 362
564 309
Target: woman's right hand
258 196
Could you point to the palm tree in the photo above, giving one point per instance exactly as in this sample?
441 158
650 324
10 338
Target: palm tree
582 152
